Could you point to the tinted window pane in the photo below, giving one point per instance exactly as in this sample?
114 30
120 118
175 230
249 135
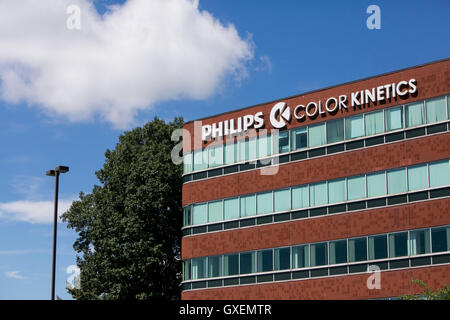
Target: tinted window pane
200 159
435 110
335 130
336 191
354 127
215 157
282 199
374 123
265 260
247 149
357 249
247 262
398 244
264 146
300 257
338 251
264 202
282 258
378 247
186 270
200 214
187 216
356 187
198 268
418 177
440 239
231 208
248 205
316 135
394 118
187 162
230 264
214 266
419 242
299 139
231 153
318 194
439 174
283 142
300 197
396 181
319 255
415 115
376 184
215 211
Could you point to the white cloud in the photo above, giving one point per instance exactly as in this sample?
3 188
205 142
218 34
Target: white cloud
135 55
32 211
265 64
14 275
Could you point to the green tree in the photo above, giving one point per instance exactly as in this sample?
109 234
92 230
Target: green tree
428 293
129 228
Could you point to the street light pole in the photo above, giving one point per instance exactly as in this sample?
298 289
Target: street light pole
55 173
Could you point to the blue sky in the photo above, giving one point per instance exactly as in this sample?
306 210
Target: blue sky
287 47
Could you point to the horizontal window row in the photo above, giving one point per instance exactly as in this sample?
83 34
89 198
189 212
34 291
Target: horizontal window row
376 184
336 252
329 132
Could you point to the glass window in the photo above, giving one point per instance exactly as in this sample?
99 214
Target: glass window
338 251
215 211
230 264
318 254
396 181
448 107
231 153
247 262
231 208
187 162
198 268
436 110
318 194
300 197
247 149
440 238
398 244
335 130
264 202
357 249
439 174
187 216
199 215
214 266
356 187
200 159
414 114
316 135
336 191
418 177
283 141
299 138
419 241
354 127
394 118
378 247
282 199
215 157
248 205
264 146
376 184
300 256
265 260
374 123
282 258
186 270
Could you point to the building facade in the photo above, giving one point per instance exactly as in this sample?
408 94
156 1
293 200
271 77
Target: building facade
338 193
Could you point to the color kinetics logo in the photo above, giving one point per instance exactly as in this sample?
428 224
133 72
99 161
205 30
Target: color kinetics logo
285 115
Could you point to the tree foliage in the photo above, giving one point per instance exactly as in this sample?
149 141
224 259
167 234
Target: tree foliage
129 227
428 293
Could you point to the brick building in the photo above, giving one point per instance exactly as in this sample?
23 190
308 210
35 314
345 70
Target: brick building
299 197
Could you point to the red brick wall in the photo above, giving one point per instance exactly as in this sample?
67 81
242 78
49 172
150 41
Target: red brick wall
432 80
393 284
